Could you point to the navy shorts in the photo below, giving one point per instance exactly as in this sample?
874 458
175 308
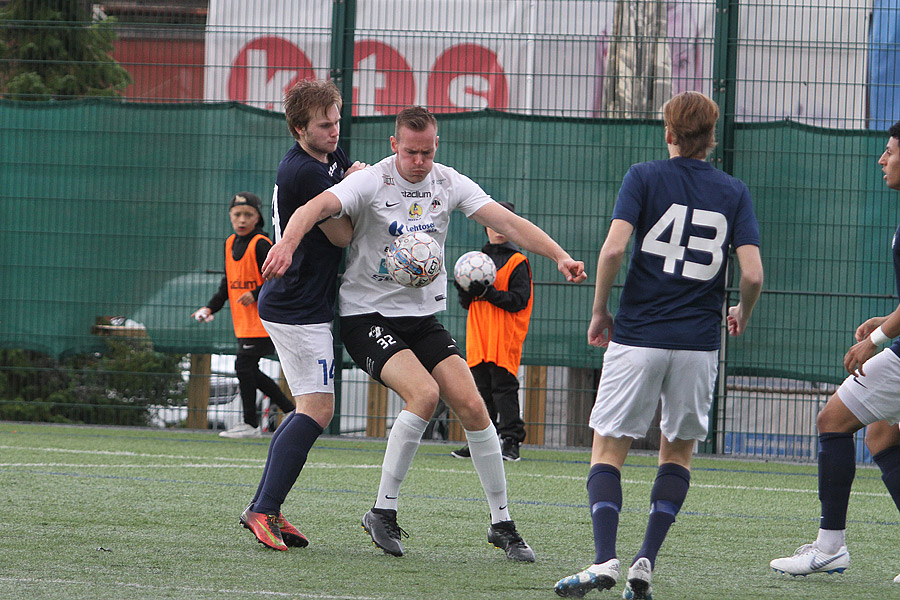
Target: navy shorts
372 339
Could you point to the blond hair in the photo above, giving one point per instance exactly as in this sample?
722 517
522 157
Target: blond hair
691 119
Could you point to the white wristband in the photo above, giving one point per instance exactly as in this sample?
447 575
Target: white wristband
877 337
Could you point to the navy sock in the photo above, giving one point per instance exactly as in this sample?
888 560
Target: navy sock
666 497
837 468
889 463
604 487
288 455
275 436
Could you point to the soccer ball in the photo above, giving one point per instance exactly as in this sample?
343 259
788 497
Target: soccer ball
474 266
414 259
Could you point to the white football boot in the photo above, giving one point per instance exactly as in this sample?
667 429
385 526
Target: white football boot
809 559
638 585
599 576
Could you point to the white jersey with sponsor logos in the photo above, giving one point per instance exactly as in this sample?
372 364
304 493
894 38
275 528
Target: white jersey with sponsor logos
382 205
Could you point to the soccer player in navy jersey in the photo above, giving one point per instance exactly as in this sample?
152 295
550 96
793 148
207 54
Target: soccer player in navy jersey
298 309
869 396
663 344
392 332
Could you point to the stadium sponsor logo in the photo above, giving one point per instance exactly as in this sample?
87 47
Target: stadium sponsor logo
332 169
398 229
243 285
415 194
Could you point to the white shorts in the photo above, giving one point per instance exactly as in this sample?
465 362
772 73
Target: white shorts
306 353
875 396
635 379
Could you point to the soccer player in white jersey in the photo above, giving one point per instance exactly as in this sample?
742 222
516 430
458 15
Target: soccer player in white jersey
869 396
391 331
663 344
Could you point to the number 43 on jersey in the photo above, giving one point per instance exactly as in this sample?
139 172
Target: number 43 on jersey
672 250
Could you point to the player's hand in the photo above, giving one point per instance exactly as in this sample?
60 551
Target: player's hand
246 299
735 321
356 166
863 331
600 330
203 315
277 261
478 289
573 270
858 354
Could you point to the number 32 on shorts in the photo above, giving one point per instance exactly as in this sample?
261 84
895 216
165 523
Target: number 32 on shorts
327 371
672 251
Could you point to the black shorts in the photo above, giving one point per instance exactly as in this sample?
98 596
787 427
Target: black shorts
371 339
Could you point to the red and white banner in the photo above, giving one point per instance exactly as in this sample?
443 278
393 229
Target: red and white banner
549 58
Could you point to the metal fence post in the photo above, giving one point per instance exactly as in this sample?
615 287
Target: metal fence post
343 23
724 84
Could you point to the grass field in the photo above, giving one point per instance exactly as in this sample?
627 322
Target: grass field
132 513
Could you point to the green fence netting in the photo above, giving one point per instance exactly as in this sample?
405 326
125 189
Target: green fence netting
118 209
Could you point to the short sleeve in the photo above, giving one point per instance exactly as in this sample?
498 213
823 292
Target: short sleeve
746 227
630 199
469 195
354 190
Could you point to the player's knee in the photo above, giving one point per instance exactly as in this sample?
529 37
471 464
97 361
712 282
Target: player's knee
424 396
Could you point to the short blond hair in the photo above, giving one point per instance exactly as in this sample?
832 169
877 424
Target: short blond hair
305 99
414 118
691 119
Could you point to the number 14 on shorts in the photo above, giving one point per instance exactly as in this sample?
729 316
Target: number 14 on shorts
327 371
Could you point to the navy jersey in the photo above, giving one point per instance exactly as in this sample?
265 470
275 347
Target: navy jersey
895 250
306 293
685 214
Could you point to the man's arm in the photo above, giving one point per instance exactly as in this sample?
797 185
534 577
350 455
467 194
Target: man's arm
304 218
750 288
612 254
870 335
530 237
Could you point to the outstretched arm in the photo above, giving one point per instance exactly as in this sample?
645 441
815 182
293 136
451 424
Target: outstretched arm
612 254
281 255
530 237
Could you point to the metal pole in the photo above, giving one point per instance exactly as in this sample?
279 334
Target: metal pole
343 25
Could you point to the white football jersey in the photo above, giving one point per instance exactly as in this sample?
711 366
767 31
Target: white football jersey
382 205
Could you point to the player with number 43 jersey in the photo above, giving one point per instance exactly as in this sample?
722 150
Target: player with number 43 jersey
685 216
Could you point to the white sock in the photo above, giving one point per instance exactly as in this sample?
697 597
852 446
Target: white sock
403 442
831 540
485 449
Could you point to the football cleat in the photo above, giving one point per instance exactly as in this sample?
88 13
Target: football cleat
290 534
509 449
503 535
638 585
598 576
809 559
241 431
384 530
463 452
264 527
